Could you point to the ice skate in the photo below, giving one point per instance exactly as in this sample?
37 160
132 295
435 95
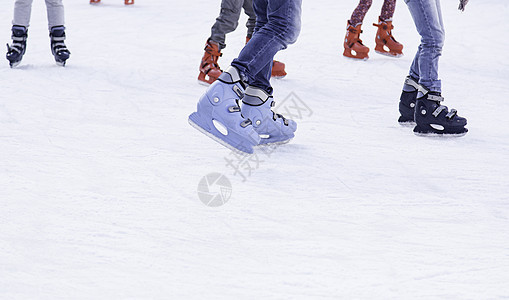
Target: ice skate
129 2
218 114
95 1
278 69
353 44
435 119
58 48
386 44
272 127
16 51
209 69
407 101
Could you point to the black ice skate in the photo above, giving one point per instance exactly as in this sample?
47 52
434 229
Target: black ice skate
17 49
407 101
435 119
58 48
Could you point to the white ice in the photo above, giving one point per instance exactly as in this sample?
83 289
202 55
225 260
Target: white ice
99 169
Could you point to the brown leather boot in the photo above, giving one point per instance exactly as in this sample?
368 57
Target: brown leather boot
209 69
278 68
353 44
129 2
386 44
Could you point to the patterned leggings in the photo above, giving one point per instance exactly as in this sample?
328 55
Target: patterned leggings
363 7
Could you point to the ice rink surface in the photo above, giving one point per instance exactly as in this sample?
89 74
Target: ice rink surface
99 169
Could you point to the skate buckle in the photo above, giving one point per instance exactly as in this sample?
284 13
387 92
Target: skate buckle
238 91
438 110
435 98
451 114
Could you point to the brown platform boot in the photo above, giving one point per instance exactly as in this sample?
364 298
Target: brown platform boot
386 44
209 69
353 44
278 68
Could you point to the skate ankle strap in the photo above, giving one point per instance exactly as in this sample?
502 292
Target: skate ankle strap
255 96
60 46
15 47
230 75
19 38
411 82
441 108
435 98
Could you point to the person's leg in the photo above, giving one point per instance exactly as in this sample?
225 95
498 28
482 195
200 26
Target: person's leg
226 22
56 20
20 23
218 113
277 26
388 10
430 116
251 20
354 48
55 10
360 12
428 21
22 12
385 43
255 63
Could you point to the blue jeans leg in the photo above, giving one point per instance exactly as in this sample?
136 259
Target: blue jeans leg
427 17
277 26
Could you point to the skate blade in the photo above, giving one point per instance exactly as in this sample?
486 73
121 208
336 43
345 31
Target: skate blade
15 64
407 124
277 143
440 135
355 58
389 54
61 63
204 83
215 138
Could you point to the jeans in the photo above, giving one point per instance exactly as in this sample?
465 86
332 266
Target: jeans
228 20
277 26
23 10
427 17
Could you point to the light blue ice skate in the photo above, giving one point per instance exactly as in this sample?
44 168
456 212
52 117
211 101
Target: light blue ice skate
218 114
273 128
